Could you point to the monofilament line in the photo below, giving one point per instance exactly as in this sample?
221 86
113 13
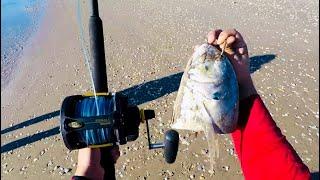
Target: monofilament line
85 52
223 48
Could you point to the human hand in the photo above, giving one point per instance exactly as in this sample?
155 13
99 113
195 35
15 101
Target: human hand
236 50
89 162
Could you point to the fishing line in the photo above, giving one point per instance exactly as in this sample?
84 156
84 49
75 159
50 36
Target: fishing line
85 52
223 48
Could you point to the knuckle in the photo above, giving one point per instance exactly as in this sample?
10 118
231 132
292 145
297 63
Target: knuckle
217 30
210 32
223 35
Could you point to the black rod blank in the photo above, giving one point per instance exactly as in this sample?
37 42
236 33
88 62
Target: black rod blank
98 62
94 10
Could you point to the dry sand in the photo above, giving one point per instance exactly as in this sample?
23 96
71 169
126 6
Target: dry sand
150 41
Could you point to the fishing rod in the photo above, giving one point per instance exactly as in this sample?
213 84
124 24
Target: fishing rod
104 119
97 49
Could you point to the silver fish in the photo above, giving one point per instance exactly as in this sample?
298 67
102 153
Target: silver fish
208 98
208 95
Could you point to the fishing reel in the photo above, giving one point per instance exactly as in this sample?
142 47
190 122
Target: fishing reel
105 120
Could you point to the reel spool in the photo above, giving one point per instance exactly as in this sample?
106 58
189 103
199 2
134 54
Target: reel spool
108 120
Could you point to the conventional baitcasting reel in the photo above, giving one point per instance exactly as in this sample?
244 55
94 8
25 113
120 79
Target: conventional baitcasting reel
108 120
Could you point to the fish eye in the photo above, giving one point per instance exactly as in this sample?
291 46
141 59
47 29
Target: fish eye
216 96
220 95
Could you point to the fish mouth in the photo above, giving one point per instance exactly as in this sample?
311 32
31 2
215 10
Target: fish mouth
212 57
215 56
208 52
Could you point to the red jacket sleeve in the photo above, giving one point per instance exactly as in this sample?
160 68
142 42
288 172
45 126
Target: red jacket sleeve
263 151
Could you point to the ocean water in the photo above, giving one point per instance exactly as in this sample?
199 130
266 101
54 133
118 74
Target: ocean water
19 21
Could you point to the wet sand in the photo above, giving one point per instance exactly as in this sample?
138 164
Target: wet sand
147 46
19 22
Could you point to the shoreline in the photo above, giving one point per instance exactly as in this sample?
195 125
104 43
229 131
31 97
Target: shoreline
16 45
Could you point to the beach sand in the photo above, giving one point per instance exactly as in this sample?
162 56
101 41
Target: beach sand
147 46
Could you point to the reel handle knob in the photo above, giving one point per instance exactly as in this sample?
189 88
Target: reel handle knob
171 143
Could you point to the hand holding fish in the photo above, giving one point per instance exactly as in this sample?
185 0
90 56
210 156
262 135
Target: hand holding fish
237 51
208 100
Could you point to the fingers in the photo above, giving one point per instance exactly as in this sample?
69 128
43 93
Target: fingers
213 36
234 42
241 46
239 36
241 50
230 40
224 35
227 45
227 38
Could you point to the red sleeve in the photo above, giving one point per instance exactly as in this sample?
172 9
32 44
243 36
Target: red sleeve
263 151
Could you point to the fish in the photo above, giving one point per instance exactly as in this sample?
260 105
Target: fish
208 97
208 94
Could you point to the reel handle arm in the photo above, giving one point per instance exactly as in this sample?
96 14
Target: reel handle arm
156 145
171 139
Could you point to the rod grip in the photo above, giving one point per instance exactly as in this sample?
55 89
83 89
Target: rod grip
107 163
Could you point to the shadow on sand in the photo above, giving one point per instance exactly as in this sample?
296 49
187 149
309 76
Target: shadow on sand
31 121
138 94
